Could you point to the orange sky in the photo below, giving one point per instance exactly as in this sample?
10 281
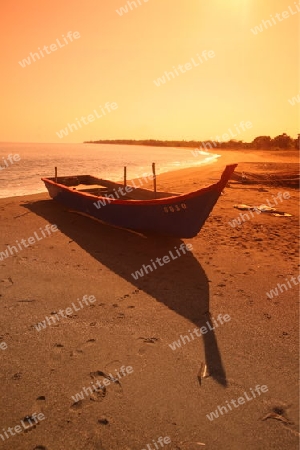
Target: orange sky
117 58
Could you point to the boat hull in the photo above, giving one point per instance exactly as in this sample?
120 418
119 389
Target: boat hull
180 216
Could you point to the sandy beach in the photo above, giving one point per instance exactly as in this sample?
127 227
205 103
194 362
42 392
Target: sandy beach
104 328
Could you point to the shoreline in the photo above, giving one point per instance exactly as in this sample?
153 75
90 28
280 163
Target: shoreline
204 163
208 171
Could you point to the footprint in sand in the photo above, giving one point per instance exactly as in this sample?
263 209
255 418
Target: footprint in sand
103 421
148 341
29 423
39 403
21 259
113 382
136 291
91 392
58 350
5 335
82 347
77 406
7 282
98 395
17 376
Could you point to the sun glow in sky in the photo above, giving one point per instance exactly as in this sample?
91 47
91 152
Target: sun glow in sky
118 56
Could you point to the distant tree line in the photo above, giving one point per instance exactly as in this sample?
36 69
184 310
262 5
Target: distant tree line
283 141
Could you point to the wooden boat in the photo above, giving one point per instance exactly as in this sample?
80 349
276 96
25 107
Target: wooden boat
133 208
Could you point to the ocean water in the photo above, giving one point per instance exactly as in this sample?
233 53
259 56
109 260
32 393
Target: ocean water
23 177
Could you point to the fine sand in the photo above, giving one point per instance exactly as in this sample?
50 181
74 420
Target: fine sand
166 393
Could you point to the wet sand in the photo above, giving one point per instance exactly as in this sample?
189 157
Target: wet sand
133 323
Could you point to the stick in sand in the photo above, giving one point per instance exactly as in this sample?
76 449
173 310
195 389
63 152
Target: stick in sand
154 179
125 178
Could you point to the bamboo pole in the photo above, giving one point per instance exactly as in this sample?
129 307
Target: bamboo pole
55 174
154 179
125 176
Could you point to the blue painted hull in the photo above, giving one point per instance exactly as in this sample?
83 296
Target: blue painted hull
180 216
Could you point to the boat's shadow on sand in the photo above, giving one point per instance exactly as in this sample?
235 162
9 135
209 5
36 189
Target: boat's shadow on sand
181 285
